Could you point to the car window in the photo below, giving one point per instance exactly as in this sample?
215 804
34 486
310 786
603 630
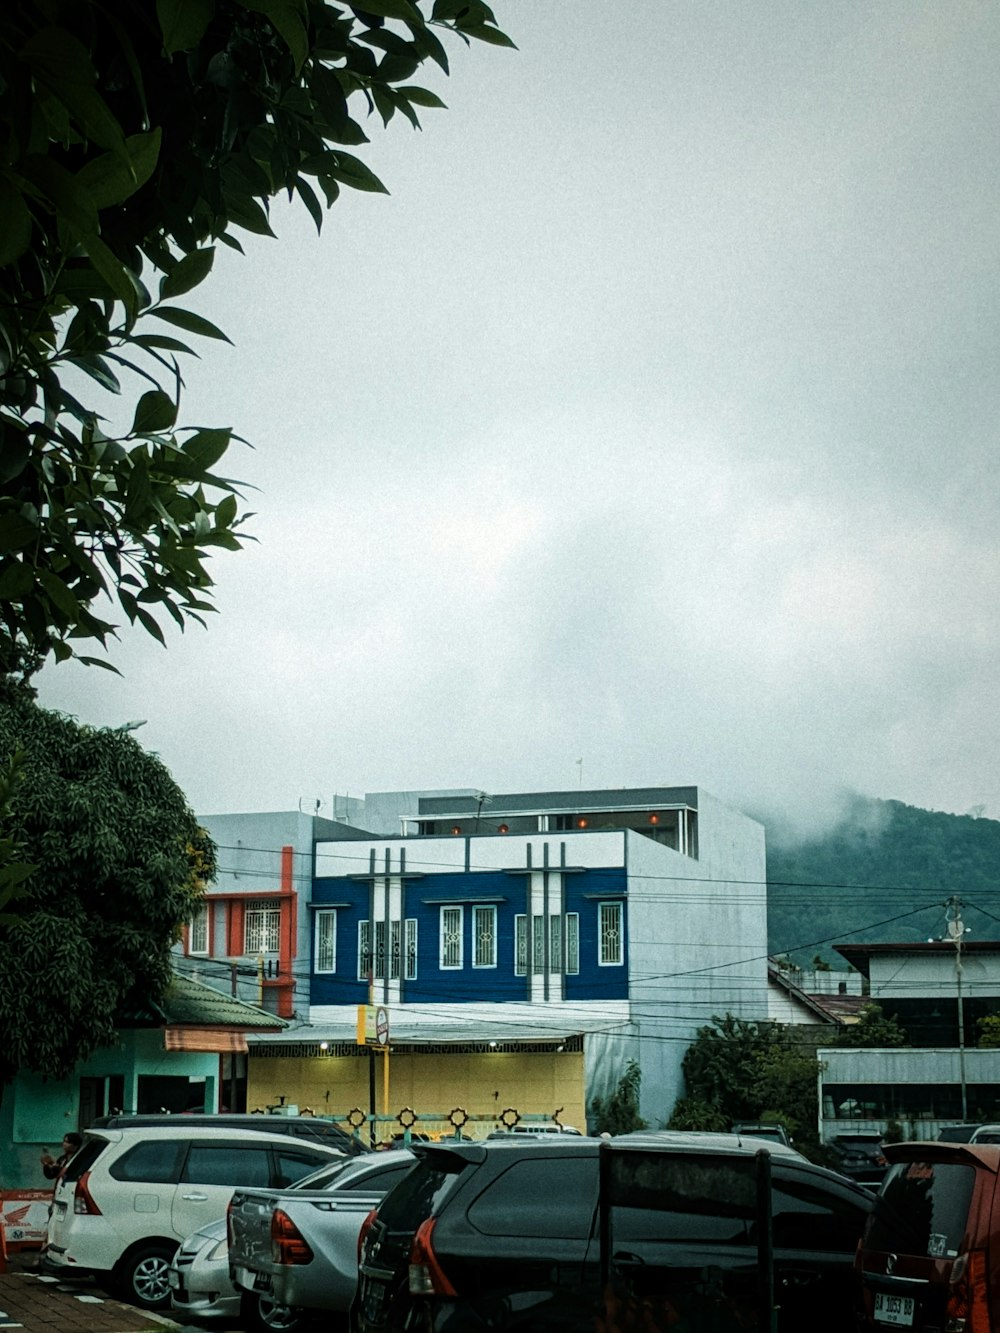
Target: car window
326 1177
291 1164
84 1159
554 1197
923 1209
156 1162
227 1164
808 1216
379 1182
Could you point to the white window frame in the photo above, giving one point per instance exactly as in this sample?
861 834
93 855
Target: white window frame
611 922
484 916
365 963
325 923
198 930
555 942
538 945
261 928
454 961
572 944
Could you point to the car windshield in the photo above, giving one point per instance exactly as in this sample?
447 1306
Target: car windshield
923 1209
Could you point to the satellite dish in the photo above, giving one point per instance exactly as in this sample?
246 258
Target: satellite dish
313 805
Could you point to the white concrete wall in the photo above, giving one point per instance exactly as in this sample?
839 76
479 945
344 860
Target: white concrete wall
697 942
930 975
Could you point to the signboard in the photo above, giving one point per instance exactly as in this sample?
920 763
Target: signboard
373 1025
24 1216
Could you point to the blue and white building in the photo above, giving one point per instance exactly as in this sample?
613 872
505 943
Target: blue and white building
608 923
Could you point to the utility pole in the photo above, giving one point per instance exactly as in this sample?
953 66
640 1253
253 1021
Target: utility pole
956 930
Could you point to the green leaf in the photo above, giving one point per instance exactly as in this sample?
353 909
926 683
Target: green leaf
15 235
16 532
191 270
421 96
392 9
308 196
98 369
206 447
121 281
225 512
150 625
247 213
484 33
286 18
190 322
351 171
108 180
60 188
139 491
183 22
162 342
16 581
155 411
62 64
59 593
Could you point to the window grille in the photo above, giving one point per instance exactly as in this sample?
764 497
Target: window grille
410 925
364 949
326 942
572 943
555 943
451 937
262 930
198 930
520 946
537 944
610 934
484 934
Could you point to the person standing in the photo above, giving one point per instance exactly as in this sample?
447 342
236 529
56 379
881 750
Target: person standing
53 1167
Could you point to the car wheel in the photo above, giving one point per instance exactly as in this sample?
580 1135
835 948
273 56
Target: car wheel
262 1314
142 1277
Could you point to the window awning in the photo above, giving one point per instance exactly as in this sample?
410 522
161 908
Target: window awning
221 1040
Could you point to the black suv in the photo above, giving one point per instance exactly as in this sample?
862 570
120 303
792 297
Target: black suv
505 1235
859 1156
308 1127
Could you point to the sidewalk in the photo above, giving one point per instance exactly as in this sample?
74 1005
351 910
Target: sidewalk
38 1303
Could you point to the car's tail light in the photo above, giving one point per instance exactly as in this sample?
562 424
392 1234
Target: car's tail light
427 1277
229 1222
83 1200
288 1245
968 1302
366 1226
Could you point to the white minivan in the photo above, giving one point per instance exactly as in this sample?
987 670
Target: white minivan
130 1196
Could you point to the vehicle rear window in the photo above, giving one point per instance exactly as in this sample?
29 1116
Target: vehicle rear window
543 1196
84 1159
225 1164
379 1182
923 1209
419 1193
155 1162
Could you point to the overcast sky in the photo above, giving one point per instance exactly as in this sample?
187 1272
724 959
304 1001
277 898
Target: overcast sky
651 422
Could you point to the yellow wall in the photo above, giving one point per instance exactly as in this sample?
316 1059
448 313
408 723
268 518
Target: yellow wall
482 1084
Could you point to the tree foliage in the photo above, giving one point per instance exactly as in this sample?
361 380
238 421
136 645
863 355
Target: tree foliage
874 1028
133 140
119 864
738 1069
619 1114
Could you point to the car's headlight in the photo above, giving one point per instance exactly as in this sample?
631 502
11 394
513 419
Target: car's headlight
220 1250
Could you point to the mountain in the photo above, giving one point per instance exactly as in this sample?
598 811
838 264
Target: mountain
883 873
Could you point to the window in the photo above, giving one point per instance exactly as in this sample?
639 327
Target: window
555 943
376 963
325 947
364 949
572 943
153 1163
484 936
198 930
548 1197
451 937
610 933
520 946
411 947
292 1164
537 944
227 1164
261 930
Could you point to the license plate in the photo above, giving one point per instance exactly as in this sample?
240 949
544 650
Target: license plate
893 1309
174 1279
374 1300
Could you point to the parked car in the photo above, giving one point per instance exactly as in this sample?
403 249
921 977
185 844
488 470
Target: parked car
200 1285
129 1197
758 1130
930 1258
312 1127
956 1133
985 1134
504 1234
859 1156
293 1252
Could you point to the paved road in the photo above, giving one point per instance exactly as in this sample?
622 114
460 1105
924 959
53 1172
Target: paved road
37 1303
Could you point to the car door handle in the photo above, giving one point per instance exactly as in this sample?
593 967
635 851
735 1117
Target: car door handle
194 1198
